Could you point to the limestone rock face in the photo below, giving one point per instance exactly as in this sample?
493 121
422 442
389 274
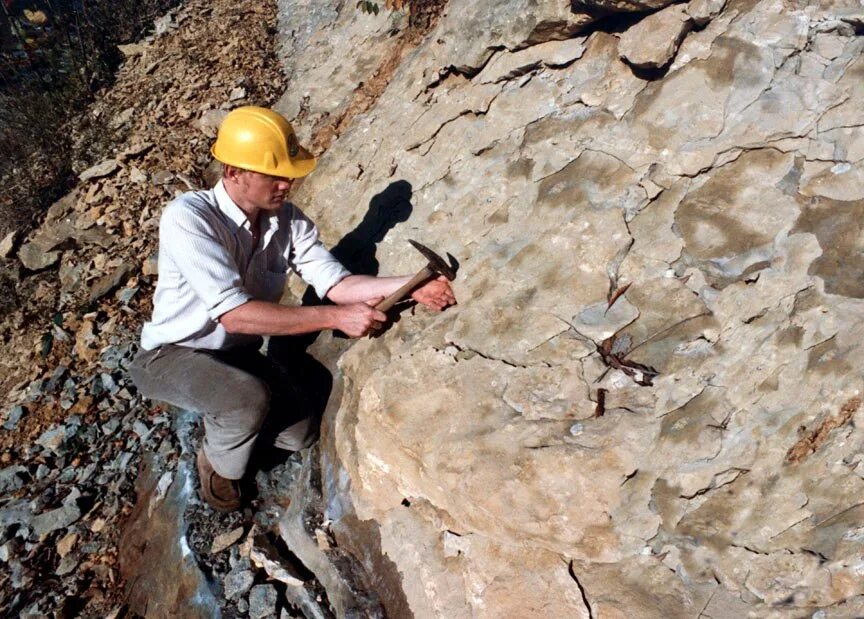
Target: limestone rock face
647 402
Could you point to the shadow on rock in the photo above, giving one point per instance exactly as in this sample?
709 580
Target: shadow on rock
357 251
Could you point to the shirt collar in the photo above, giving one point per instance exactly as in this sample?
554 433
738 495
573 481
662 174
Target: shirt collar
227 206
236 214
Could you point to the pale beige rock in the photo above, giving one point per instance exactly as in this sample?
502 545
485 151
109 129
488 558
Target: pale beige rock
226 540
210 120
703 11
133 49
7 245
507 65
840 181
601 79
67 543
36 258
652 43
462 459
105 168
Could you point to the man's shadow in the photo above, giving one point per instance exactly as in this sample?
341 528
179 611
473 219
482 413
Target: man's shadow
357 251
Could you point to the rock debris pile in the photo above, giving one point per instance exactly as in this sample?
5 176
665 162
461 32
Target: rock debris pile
90 471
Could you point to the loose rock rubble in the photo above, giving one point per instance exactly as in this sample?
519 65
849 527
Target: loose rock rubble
87 465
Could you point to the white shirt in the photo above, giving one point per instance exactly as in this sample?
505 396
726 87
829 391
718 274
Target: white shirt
208 266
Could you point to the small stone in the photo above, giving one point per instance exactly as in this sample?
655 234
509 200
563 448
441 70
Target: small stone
126 295
50 521
161 178
322 539
138 176
226 540
141 429
210 121
164 24
68 564
110 282
150 265
65 545
8 551
87 472
7 245
110 426
237 94
102 169
123 117
97 525
135 150
53 438
133 49
85 338
42 472
237 583
12 478
71 272
14 416
262 601
36 258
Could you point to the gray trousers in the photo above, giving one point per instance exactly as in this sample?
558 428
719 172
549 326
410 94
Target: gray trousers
241 394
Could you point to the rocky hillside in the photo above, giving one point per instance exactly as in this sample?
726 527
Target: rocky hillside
83 457
646 404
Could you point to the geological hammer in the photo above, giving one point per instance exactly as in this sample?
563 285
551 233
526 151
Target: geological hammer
436 266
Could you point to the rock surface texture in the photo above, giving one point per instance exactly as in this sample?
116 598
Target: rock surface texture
647 403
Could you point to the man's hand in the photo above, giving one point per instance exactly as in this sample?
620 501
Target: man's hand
436 294
359 319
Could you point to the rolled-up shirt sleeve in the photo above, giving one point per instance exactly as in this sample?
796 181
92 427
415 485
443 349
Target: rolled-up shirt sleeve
310 259
191 243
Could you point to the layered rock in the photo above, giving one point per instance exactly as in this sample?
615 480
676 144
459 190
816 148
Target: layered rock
645 403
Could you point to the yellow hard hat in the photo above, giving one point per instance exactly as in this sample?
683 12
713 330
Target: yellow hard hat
261 140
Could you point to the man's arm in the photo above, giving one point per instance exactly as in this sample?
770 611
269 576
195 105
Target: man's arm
355 315
265 318
436 294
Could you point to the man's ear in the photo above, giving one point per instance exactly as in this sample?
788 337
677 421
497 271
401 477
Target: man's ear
229 172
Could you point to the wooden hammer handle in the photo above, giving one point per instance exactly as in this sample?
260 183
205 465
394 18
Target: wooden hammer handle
393 299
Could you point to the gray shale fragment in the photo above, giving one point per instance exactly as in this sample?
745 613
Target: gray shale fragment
262 601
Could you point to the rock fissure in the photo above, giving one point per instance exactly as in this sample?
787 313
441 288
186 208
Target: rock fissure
571 569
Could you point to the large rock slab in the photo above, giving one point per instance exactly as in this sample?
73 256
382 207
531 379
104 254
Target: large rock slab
652 43
646 402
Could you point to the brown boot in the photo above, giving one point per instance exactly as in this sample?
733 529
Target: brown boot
221 494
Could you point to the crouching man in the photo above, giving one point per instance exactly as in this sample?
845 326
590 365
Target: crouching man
224 255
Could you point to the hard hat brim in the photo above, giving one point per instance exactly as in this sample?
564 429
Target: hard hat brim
295 167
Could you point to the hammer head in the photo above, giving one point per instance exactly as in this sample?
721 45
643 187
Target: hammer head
436 262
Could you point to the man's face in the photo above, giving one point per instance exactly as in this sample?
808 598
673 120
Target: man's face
262 190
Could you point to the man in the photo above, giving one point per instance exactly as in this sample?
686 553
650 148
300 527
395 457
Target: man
224 255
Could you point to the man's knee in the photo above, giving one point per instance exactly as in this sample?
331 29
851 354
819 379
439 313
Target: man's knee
244 408
256 402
